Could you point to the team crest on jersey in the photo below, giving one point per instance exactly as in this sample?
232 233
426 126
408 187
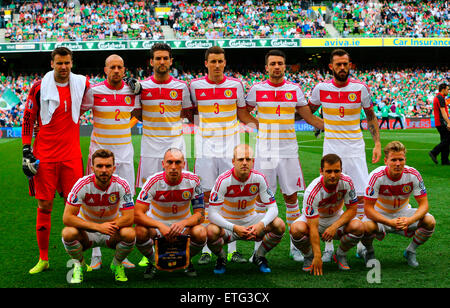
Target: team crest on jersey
186 195
228 93
112 199
173 94
406 189
352 97
128 100
253 189
288 96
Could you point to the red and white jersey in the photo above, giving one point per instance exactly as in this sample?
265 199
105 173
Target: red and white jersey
276 105
161 115
112 109
392 196
171 203
341 107
217 103
99 205
238 199
320 202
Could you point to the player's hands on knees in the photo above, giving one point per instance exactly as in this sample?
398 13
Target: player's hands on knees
176 229
243 232
402 223
256 230
109 227
316 266
329 233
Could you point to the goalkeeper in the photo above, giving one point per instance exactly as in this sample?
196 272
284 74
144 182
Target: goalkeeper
55 103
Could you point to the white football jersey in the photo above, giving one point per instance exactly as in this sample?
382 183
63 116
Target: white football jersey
97 205
171 203
276 105
238 199
318 201
392 196
161 115
217 103
111 110
341 115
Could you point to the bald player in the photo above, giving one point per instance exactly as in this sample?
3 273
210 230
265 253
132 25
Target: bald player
112 102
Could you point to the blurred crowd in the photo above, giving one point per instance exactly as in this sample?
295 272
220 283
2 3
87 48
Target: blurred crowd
406 18
412 90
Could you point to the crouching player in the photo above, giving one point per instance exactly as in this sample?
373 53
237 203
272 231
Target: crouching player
232 212
163 209
387 207
99 212
323 214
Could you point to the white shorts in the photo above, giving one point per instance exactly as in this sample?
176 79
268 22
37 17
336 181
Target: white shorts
98 239
407 211
356 168
208 170
123 169
287 170
149 166
325 223
231 236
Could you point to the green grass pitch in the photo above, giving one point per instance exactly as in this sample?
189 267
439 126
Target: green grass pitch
19 252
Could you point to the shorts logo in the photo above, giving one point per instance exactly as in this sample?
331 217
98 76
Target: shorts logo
288 96
352 97
127 100
370 191
186 195
406 189
112 199
228 93
173 94
253 189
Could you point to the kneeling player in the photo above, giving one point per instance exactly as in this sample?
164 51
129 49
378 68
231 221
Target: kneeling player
387 205
232 211
162 209
99 212
323 214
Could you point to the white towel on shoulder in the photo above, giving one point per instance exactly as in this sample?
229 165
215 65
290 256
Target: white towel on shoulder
50 96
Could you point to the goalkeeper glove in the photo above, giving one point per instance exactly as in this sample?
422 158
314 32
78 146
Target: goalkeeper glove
29 163
134 84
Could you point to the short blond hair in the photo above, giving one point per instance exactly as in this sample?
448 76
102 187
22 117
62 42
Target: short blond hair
394 146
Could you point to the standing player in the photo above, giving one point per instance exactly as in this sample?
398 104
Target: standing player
442 123
387 204
341 99
165 100
162 209
220 102
233 215
99 211
112 103
323 215
277 100
55 103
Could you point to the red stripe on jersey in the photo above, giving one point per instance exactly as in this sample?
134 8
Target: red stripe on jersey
84 182
413 171
152 181
114 100
178 195
221 178
396 190
276 96
375 177
162 93
215 93
122 182
341 97
314 193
